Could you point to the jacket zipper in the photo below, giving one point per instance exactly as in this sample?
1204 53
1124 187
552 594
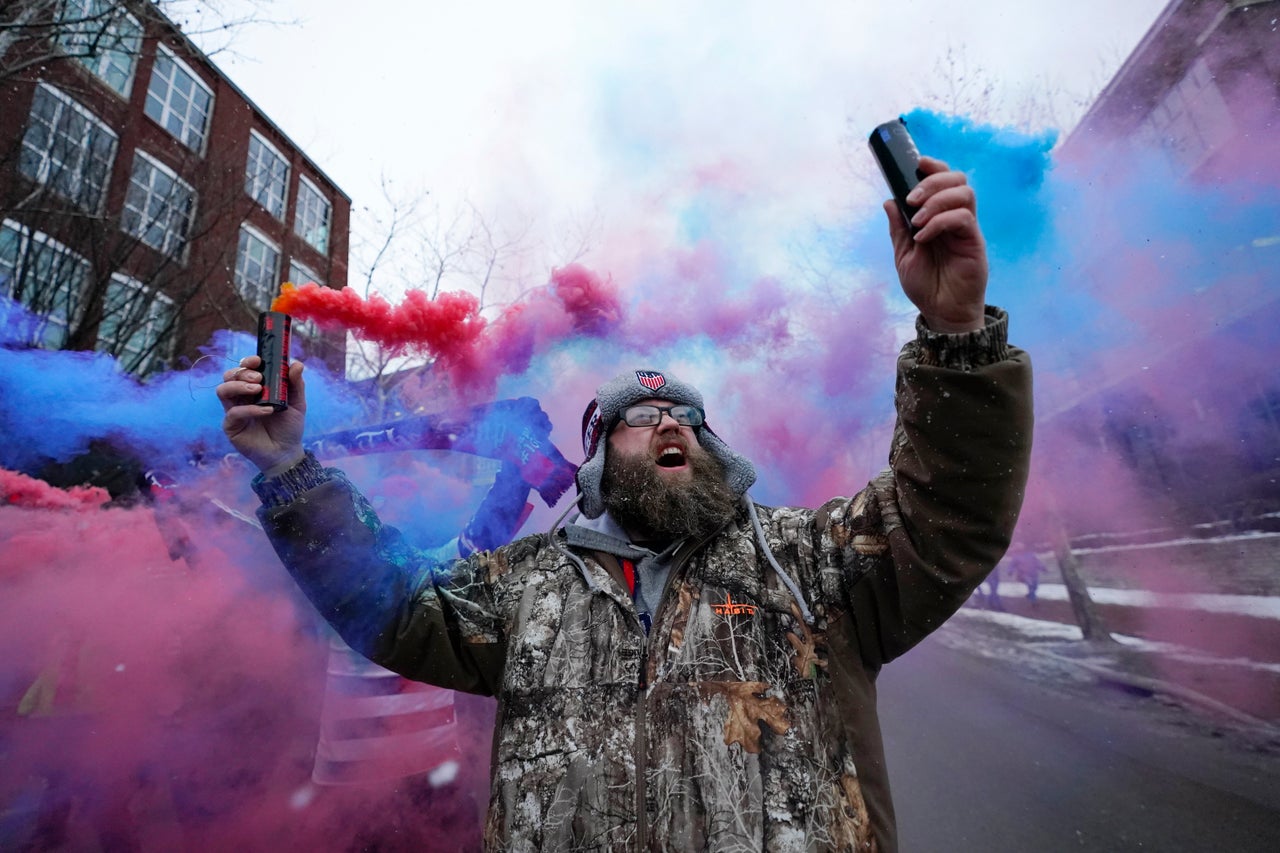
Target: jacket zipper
642 758
642 710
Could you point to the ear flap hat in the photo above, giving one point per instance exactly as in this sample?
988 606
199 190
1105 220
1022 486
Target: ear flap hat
605 411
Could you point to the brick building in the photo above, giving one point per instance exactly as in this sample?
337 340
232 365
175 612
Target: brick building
1203 84
1196 414
146 201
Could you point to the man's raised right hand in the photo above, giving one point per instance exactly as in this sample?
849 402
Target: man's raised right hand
269 439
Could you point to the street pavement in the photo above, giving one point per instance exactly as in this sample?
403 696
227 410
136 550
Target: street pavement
995 748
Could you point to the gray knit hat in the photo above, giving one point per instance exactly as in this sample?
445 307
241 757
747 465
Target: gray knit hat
604 412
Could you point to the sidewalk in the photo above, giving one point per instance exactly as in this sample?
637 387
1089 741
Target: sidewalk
1219 654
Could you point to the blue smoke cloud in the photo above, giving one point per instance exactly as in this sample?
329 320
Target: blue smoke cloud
1093 259
1009 170
1023 204
53 404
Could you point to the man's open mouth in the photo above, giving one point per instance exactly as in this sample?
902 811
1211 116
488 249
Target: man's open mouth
671 457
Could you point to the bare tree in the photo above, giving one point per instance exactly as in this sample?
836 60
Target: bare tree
957 85
376 247
35 34
213 24
119 283
417 245
114 273
1089 618
960 86
413 247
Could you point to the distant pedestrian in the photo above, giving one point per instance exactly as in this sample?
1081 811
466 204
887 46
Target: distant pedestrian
1025 567
990 590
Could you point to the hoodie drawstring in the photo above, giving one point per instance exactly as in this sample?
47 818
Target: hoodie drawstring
577 561
768 553
790 583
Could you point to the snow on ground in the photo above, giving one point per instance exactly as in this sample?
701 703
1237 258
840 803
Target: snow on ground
1260 606
1172 543
1045 630
1031 629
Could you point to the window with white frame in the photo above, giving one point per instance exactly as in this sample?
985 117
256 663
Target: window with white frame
67 148
136 325
46 277
1192 120
104 37
302 274
311 216
179 100
266 176
257 267
12 238
159 206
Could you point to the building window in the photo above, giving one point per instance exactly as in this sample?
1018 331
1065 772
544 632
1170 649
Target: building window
46 277
311 216
302 274
136 325
67 148
179 100
1192 120
104 37
257 268
266 176
159 206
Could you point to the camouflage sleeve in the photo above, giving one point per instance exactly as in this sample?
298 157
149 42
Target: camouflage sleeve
427 620
913 545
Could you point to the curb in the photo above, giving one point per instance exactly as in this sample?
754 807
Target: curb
1151 685
1176 691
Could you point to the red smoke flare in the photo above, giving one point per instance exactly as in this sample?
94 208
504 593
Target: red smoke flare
441 326
449 328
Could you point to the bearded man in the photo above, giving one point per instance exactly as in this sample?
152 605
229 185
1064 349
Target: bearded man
679 668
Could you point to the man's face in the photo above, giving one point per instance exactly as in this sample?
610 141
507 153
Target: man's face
667 444
660 484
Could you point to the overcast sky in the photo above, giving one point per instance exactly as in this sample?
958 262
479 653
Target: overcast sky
563 112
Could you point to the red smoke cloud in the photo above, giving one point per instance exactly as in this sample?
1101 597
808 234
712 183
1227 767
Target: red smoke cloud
470 349
177 705
20 490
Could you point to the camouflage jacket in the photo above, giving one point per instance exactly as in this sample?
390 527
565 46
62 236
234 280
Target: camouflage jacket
733 725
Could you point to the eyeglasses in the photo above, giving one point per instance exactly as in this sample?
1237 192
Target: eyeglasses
647 416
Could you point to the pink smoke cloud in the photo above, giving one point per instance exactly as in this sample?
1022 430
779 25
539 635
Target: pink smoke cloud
20 490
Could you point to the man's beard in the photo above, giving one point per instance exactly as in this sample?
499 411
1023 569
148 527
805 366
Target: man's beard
647 504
